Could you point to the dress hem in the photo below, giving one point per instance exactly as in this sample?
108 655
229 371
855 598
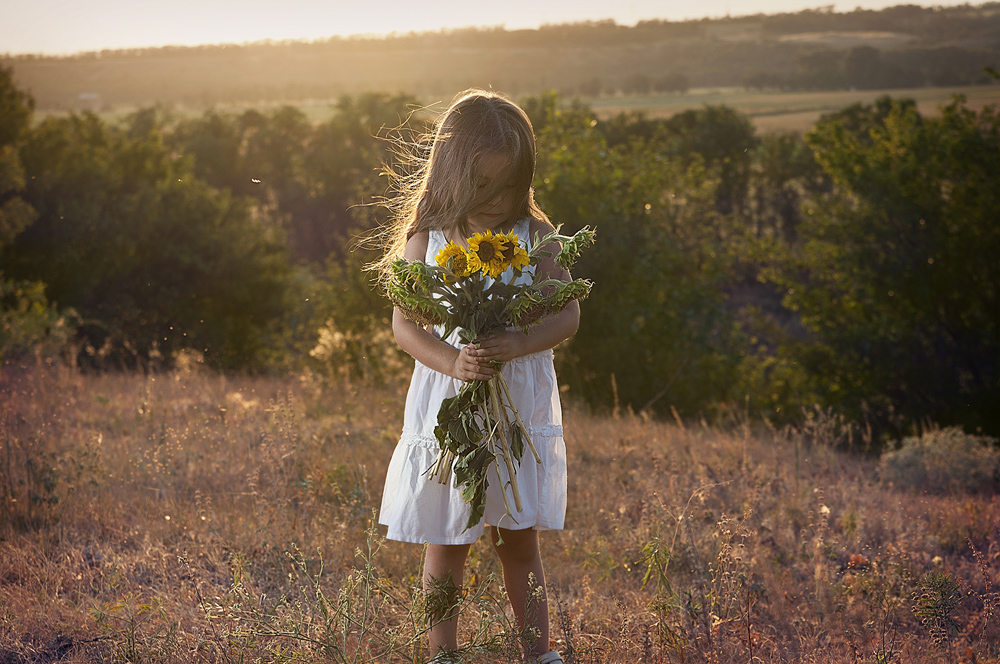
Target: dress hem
446 541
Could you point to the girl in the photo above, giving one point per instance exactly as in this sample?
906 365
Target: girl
477 177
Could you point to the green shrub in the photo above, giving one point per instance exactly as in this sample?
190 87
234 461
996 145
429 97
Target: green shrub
29 324
369 355
942 461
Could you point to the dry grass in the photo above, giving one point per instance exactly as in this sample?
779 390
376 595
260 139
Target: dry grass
192 517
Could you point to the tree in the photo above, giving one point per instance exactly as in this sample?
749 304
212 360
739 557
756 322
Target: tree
29 323
153 259
724 139
784 171
591 87
636 84
303 178
654 331
821 70
16 109
673 82
863 68
897 277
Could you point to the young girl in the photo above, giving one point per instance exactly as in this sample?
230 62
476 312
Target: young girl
476 178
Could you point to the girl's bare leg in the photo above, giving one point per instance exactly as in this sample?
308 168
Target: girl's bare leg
524 579
444 568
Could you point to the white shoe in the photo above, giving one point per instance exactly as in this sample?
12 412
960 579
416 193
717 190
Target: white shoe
551 657
445 658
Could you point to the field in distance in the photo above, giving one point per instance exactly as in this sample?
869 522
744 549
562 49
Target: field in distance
787 111
770 111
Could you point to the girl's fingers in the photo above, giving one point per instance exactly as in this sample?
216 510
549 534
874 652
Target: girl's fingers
488 351
474 370
482 355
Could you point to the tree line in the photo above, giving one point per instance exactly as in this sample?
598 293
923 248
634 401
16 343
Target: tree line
853 268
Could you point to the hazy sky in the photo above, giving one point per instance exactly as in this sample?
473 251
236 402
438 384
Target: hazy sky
69 26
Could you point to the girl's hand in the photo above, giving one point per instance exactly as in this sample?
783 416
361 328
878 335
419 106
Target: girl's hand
500 347
468 367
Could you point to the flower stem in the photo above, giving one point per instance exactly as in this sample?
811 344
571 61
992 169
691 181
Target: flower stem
503 492
446 459
517 416
441 469
497 405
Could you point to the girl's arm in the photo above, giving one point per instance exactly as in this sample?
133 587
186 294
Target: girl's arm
423 345
547 333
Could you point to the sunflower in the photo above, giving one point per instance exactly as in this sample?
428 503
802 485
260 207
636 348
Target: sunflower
514 255
486 253
454 258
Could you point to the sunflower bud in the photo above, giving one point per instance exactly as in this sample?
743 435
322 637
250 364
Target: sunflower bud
572 246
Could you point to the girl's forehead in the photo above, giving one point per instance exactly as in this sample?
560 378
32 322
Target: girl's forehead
492 166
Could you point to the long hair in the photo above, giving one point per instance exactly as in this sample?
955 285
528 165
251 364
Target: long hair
439 187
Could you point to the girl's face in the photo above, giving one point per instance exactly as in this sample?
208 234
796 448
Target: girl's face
495 213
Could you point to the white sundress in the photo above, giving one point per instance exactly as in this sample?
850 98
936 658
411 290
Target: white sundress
417 509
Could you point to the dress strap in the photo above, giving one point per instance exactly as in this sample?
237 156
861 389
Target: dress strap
435 243
522 229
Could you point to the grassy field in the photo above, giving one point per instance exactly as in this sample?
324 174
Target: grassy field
769 111
194 517
788 111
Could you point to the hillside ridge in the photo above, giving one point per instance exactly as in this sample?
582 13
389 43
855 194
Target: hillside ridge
903 46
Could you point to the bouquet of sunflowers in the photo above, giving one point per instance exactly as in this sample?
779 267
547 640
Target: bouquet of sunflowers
464 292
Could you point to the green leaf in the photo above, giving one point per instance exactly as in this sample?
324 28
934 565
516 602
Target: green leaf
517 442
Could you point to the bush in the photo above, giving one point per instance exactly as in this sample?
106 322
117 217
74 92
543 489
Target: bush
29 324
369 354
942 461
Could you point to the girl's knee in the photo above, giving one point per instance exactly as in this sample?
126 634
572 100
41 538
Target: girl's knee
441 561
519 547
446 553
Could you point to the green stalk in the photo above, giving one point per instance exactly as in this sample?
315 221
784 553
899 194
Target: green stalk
504 407
497 405
435 467
441 467
503 493
444 461
517 416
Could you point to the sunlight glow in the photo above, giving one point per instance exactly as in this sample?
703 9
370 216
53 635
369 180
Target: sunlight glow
59 27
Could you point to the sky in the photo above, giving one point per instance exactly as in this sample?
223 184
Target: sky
63 27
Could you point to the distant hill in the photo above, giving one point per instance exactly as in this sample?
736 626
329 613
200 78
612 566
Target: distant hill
904 46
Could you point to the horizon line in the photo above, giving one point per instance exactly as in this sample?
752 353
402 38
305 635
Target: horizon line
375 36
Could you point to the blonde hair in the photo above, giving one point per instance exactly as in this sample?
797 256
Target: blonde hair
439 187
